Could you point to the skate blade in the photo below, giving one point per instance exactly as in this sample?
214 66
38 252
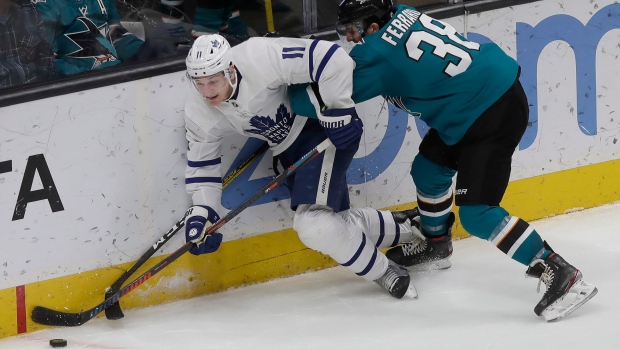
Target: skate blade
583 292
411 291
430 266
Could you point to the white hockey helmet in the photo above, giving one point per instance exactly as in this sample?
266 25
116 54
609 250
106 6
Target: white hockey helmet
209 55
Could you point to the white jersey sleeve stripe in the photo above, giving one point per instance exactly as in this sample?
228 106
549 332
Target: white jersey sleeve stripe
291 49
292 55
204 163
326 59
297 52
311 59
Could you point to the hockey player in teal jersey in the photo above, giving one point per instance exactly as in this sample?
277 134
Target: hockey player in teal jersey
86 34
470 96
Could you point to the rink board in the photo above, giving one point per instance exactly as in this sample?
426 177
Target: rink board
281 254
109 165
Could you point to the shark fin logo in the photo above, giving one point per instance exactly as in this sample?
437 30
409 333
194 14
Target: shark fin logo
89 43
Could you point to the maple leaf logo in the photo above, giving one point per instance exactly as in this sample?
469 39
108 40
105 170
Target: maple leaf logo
275 131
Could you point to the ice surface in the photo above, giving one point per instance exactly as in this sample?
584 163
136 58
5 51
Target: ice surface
483 301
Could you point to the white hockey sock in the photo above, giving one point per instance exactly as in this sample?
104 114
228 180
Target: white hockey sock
379 226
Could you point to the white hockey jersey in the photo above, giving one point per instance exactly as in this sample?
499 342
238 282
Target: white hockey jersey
259 107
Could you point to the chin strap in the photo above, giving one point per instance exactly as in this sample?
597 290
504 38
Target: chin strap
229 77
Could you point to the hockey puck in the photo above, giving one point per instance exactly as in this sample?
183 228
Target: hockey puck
58 343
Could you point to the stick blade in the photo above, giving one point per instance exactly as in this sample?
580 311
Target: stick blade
50 317
114 311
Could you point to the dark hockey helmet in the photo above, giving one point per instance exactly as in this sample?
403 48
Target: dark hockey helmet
361 13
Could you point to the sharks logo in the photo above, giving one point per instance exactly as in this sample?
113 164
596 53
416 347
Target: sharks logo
275 131
89 44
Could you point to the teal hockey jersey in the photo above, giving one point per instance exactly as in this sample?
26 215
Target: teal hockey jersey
86 34
423 66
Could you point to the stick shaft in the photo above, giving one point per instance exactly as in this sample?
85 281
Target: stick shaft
46 316
114 312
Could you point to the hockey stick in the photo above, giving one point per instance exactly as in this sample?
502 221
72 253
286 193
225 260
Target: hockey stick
114 311
46 316
244 165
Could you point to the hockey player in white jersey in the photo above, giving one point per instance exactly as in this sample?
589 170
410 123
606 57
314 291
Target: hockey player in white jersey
244 90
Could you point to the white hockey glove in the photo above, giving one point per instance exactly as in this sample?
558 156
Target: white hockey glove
342 126
197 220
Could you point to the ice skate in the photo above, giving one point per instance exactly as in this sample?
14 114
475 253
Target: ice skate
561 279
402 216
424 252
397 282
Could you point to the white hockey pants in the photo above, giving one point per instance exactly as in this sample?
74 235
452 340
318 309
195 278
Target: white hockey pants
351 237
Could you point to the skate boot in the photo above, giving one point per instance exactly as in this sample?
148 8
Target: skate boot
560 278
429 252
397 282
402 216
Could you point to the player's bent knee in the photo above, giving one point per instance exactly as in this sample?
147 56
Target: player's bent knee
430 178
315 227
